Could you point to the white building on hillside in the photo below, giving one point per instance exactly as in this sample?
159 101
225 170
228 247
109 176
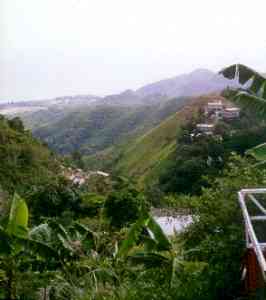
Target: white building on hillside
205 128
214 106
231 113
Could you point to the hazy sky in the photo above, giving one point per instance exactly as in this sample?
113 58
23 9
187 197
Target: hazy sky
61 47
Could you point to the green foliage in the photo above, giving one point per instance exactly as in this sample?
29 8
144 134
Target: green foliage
146 157
156 240
92 203
95 128
73 262
66 258
141 157
25 162
203 155
16 250
16 124
124 206
217 236
55 199
253 97
258 152
18 217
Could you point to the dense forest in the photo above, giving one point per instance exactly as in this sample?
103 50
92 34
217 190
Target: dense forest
61 240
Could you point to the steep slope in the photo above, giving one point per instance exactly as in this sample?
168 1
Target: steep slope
146 156
25 162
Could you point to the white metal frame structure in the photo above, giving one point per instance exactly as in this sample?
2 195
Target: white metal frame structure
251 237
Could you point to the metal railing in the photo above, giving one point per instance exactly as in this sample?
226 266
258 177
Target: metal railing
250 198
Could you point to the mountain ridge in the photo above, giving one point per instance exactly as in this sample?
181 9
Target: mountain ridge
194 83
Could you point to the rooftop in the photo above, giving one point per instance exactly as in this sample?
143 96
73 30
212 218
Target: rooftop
232 109
205 125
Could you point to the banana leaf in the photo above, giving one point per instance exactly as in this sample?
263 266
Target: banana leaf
18 217
258 152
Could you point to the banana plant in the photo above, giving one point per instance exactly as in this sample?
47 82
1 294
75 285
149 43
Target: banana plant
155 250
17 245
251 97
11 246
155 240
20 244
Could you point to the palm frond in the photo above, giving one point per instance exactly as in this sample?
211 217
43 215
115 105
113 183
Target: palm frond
244 74
251 102
262 91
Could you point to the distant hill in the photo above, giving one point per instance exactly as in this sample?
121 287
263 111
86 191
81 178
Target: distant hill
95 129
90 124
198 82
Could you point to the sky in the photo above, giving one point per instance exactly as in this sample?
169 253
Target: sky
52 48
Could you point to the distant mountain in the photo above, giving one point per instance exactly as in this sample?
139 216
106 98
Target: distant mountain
198 82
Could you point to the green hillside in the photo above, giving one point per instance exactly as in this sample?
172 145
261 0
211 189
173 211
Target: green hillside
147 152
94 129
146 156
25 161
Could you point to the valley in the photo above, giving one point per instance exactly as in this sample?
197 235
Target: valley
92 124
96 192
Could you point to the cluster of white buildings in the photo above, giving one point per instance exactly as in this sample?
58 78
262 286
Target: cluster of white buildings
220 111
215 111
79 177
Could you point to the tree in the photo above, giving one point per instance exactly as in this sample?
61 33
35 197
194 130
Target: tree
216 234
91 204
17 124
124 206
54 199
